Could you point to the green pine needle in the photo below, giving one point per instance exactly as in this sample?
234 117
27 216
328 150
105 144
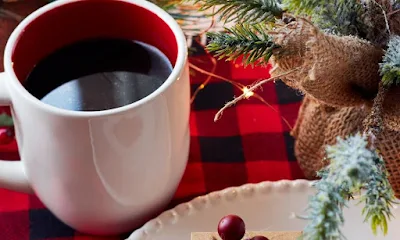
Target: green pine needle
250 11
390 66
6 120
378 198
341 17
304 6
353 166
249 41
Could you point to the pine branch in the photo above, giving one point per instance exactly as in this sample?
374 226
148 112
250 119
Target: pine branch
310 7
390 66
341 17
353 166
249 41
250 11
304 6
326 215
378 198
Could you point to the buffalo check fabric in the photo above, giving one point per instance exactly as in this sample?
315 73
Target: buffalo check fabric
249 144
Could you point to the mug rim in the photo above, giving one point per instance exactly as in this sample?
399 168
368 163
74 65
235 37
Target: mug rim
148 6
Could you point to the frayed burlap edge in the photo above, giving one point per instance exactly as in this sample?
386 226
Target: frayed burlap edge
332 69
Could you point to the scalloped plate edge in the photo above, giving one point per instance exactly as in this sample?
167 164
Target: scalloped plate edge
183 210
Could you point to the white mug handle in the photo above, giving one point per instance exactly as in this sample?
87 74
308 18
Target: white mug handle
12 173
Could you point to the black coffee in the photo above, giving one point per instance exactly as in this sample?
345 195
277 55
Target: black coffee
98 74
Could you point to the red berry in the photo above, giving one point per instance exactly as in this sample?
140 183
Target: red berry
5 136
259 238
231 227
10 132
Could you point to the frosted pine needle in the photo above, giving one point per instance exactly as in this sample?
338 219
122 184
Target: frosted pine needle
390 67
353 166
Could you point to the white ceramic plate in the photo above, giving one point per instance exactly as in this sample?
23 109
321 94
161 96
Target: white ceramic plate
264 206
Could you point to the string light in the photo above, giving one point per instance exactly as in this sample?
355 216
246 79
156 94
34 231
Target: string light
254 87
235 84
247 93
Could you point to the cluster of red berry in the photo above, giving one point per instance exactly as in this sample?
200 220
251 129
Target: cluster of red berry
232 227
6 135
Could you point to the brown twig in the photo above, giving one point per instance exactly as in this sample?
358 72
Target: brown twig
393 12
237 85
385 16
251 89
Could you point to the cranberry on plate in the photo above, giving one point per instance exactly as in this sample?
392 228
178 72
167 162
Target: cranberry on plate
231 227
6 135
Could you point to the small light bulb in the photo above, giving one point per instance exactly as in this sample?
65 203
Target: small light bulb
247 92
201 86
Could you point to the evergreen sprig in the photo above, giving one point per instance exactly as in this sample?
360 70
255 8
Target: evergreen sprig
245 10
353 166
341 17
390 66
250 41
378 197
304 6
325 212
